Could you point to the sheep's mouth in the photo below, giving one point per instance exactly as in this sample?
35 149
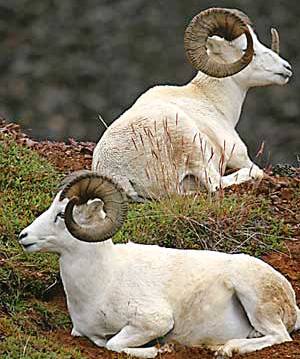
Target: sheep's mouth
26 246
284 75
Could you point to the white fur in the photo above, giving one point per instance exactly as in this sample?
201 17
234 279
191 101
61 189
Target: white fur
155 146
124 296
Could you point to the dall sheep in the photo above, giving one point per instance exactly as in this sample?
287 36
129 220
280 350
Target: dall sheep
175 138
125 297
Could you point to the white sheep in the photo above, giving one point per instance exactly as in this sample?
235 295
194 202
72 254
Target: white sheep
125 296
174 138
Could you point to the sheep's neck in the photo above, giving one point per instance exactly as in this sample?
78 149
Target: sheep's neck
226 95
86 269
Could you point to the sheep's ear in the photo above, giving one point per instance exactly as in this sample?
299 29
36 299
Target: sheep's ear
86 213
95 205
215 45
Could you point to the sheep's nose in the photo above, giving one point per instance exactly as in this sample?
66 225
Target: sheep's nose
288 67
23 235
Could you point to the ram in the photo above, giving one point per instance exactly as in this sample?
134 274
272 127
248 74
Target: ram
177 138
125 297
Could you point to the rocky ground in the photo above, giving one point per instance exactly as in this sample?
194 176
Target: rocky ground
75 155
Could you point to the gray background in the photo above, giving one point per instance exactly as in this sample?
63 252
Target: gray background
64 61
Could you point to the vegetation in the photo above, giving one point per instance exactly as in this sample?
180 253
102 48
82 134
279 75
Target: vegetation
27 182
237 221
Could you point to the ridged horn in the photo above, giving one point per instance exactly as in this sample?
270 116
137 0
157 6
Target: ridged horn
222 22
90 185
275 41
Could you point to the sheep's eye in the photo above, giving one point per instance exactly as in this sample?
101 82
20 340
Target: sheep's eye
59 215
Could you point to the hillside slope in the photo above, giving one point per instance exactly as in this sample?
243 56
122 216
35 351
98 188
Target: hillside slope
258 218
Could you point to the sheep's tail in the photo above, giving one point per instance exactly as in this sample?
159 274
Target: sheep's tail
297 325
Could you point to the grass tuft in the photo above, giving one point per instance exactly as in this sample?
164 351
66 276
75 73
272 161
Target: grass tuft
236 223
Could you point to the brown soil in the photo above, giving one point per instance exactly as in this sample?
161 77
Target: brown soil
67 157
77 155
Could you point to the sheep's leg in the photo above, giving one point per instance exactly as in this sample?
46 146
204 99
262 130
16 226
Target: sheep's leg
128 341
271 310
248 171
204 168
142 352
100 342
268 322
75 333
238 158
191 183
277 335
213 181
297 325
130 338
242 175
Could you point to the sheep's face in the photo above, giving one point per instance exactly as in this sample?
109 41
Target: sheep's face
48 232
266 67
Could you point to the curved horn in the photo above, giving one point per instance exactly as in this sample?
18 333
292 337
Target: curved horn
221 22
275 40
91 185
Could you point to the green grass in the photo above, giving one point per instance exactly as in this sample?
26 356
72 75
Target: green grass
235 223
244 222
27 183
28 343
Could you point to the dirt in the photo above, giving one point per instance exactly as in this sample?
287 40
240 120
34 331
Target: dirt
67 157
75 155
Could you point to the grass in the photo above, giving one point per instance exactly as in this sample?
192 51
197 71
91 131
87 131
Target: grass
29 344
27 183
236 222
23 173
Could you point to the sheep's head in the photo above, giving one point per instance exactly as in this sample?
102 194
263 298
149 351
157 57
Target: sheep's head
221 42
88 207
